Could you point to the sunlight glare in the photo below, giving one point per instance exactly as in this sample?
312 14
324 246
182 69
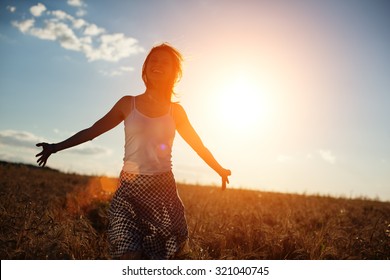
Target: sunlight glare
241 104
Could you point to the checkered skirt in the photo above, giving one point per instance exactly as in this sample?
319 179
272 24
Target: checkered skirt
146 215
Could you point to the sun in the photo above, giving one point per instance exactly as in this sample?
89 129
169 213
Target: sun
241 103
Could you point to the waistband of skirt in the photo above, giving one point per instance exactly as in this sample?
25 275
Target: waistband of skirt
136 175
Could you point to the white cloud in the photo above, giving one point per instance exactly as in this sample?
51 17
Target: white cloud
86 40
90 150
11 9
25 25
24 139
61 15
60 32
19 138
126 69
328 156
111 73
76 3
78 23
93 30
37 10
116 72
79 35
113 47
81 12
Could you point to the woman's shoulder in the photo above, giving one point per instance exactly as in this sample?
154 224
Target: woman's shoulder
126 98
178 108
124 104
179 114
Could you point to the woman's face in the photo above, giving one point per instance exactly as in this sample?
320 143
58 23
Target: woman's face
159 68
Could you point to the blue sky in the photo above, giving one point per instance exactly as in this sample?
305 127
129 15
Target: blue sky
292 96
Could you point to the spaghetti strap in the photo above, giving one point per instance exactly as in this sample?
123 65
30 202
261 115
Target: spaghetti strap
133 107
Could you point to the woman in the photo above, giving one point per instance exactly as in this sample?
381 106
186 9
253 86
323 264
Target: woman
146 216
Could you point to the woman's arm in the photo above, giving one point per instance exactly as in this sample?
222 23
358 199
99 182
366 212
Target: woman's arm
189 134
116 115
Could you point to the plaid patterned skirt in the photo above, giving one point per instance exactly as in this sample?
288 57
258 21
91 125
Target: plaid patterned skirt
146 215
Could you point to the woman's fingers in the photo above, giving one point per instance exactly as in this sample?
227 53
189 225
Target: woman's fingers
225 178
43 155
223 184
42 161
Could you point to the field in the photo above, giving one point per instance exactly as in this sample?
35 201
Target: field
46 214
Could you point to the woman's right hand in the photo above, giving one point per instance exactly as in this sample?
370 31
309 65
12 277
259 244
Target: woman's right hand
47 150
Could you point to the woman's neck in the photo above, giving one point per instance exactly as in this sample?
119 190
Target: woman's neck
155 95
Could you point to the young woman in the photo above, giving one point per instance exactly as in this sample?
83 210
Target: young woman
146 215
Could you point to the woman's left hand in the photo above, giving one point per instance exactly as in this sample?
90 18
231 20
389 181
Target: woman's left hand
224 175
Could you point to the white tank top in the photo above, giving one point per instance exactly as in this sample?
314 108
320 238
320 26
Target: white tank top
148 142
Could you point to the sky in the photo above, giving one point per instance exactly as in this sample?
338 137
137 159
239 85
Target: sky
292 96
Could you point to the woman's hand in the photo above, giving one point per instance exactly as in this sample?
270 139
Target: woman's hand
224 175
47 150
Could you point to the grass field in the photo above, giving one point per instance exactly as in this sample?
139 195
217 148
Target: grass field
46 214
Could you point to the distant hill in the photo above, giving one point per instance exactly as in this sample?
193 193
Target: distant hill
25 165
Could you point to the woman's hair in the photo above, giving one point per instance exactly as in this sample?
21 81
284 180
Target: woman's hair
177 59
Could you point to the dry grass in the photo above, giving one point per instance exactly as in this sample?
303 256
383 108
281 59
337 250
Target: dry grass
46 214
